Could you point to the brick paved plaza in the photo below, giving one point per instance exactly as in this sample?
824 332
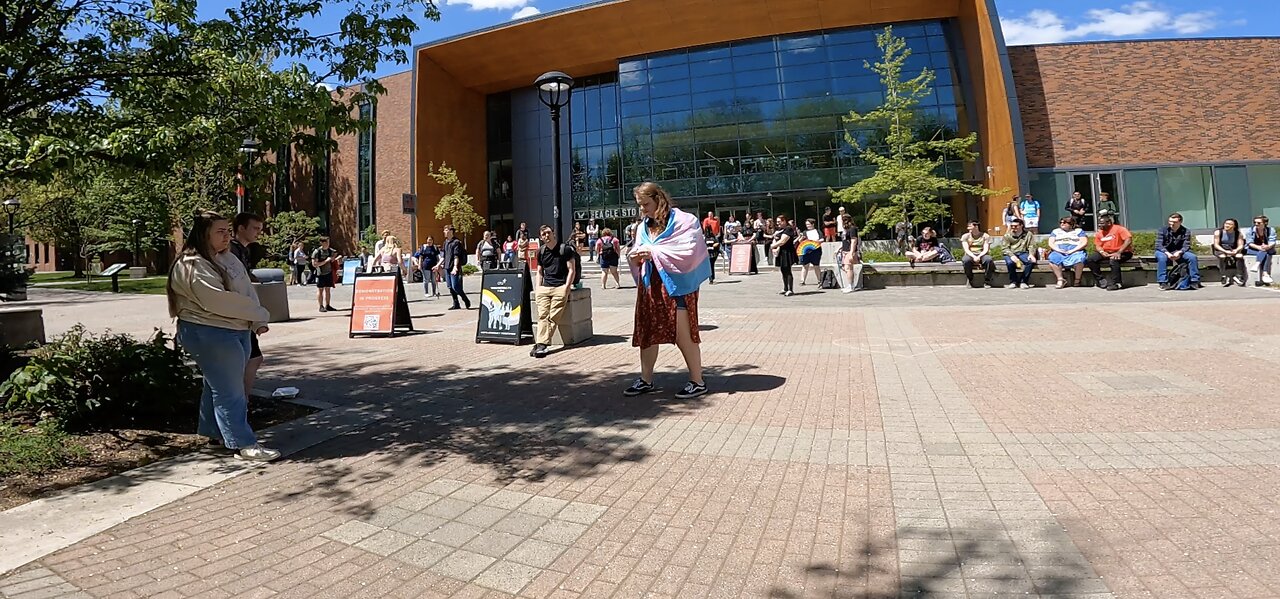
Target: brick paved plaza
907 442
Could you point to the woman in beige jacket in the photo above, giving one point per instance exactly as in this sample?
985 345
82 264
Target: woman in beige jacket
211 296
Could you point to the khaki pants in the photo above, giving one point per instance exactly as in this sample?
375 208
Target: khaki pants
551 303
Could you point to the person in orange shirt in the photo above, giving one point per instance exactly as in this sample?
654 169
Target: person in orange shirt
1113 244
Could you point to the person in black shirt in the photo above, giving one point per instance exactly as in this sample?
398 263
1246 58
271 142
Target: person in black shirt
713 250
246 227
455 256
1173 244
784 253
557 269
850 254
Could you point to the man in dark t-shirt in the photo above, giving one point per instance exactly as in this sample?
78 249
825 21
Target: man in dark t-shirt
557 269
246 228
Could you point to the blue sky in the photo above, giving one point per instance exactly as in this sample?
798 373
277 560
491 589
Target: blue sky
1025 21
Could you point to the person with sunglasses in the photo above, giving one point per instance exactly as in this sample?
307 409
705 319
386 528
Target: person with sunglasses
1066 245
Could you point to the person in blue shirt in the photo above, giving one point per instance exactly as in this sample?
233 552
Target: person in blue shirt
1030 209
427 257
1173 244
1261 241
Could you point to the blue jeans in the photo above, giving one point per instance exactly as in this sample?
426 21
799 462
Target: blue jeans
429 285
1020 277
221 355
454 283
1264 259
1162 266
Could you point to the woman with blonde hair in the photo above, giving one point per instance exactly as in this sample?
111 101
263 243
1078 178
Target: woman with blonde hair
669 262
390 259
487 251
212 298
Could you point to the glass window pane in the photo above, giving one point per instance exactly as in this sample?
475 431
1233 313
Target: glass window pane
720 66
764 93
1264 191
1231 189
1142 199
715 82
1188 190
855 52
851 36
752 47
665 60
802 56
669 104
630 65
806 72
680 71
1048 187
708 53
754 61
634 109
806 89
807 41
669 88
855 85
633 78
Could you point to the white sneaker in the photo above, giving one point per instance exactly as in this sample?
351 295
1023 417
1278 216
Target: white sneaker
1011 286
847 290
1266 279
1026 285
1238 281
258 453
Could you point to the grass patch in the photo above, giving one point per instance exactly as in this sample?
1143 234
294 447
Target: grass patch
53 277
149 285
35 449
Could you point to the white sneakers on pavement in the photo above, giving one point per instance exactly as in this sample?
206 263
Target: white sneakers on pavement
257 453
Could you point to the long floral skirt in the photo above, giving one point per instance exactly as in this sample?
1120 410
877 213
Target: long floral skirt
655 321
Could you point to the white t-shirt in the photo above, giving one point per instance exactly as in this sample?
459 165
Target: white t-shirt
813 235
839 223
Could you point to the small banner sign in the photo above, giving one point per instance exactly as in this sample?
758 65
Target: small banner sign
505 307
378 305
742 261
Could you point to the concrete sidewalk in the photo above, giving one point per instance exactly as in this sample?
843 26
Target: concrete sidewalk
936 443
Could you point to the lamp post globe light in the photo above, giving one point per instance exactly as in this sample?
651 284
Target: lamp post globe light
11 206
554 89
249 147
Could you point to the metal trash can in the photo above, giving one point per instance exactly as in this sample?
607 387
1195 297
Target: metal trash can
274 297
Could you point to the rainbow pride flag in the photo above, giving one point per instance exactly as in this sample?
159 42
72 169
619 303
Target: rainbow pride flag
807 246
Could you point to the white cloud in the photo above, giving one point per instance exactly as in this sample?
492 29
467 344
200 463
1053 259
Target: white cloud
1139 18
489 4
527 11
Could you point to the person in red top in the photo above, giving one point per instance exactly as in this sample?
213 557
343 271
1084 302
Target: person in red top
711 222
1113 244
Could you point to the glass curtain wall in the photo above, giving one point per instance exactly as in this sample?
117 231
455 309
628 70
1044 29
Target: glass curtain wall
727 125
501 198
364 171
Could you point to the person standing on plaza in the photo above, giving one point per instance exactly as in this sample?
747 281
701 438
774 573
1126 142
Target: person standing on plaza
212 298
608 252
840 214
713 250
1261 241
522 241
1029 208
298 258
579 239
557 269
1106 203
391 257
1228 246
487 251
1010 213
246 228
812 259
1020 255
977 251
455 257
829 226
669 263
325 259
509 253
426 259
850 253
629 235
1173 244
382 240
732 230
1114 244
1066 245
783 250
593 234
711 222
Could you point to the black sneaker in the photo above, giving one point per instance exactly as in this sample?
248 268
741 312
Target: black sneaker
1114 287
1164 286
539 351
639 387
1102 283
330 308
692 390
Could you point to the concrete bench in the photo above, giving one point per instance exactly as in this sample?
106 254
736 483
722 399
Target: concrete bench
137 272
574 325
1139 270
20 327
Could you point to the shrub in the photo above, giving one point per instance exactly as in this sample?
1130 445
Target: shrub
470 269
30 450
108 381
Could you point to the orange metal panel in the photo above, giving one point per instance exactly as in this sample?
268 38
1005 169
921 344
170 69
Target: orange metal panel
450 124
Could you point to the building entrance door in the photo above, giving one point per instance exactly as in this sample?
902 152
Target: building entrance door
1092 186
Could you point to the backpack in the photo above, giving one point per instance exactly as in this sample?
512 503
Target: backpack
828 280
608 249
1177 274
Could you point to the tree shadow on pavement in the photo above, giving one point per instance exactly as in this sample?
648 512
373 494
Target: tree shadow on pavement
983 562
546 420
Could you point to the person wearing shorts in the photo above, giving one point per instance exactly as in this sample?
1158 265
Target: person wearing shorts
1030 209
324 258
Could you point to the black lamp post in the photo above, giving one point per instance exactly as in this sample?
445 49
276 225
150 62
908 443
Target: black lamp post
137 224
554 89
249 147
11 207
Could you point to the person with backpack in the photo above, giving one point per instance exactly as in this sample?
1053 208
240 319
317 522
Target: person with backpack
1173 245
557 272
487 251
608 252
455 257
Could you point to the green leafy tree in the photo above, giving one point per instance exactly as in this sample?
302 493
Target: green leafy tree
288 228
456 205
909 171
149 83
369 239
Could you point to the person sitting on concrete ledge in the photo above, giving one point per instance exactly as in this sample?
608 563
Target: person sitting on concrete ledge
1113 244
1066 245
1173 243
977 250
1019 255
928 248
1228 246
1261 240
